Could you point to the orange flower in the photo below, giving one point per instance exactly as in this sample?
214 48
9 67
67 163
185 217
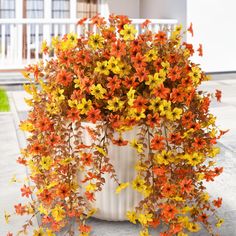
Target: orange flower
94 115
25 191
46 196
157 142
140 103
119 142
153 120
168 189
177 95
203 217
200 52
199 143
118 49
53 139
84 228
20 210
63 191
187 118
217 202
218 95
90 196
175 138
161 91
73 114
36 148
145 23
168 211
139 60
86 158
44 124
160 171
113 83
190 29
161 37
64 78
186 185
175 73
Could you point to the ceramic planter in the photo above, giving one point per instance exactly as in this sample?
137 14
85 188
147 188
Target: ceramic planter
112 206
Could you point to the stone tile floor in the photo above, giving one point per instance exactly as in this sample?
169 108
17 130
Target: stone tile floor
12 140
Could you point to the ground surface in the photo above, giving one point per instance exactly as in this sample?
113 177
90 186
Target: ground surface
11 139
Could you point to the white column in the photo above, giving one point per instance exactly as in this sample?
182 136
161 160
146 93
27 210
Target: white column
47 15
103 8
73 14
18 44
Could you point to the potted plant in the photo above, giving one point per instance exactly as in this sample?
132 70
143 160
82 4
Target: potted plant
114 111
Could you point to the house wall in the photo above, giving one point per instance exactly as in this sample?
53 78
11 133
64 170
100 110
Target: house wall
164 9
124 7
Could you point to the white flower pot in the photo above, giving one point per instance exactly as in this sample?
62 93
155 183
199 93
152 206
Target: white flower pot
112 206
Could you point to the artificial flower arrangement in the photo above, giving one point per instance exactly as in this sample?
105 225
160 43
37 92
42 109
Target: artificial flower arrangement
118 80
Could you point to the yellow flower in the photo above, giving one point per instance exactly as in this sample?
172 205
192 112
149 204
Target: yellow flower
155 80
52 108
182 234
165 157
200 176
7 217
98 91
102 68
195 74
176 113
72 37
55 41
138 146
165 65
30 89
72 103
164 107
39 232
194 159
58 213
128 32
184 220
154 104
219 223
205 197
130 96
139 184
135 114
151 55
58 94
132 217
96 41
42 210
144 233
49 232
77 83
44 46
84 106
144 219
114 65
122 186
115 104
193 227
91 212
46 162
101 150
26 126
214 151
91 187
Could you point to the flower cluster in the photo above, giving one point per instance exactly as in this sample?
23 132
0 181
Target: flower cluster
119 80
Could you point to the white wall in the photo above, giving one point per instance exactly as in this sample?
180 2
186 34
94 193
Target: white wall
214 23
164 9
124 7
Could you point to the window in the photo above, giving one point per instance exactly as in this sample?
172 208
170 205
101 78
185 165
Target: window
7 8
35 8
60 8
87 8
